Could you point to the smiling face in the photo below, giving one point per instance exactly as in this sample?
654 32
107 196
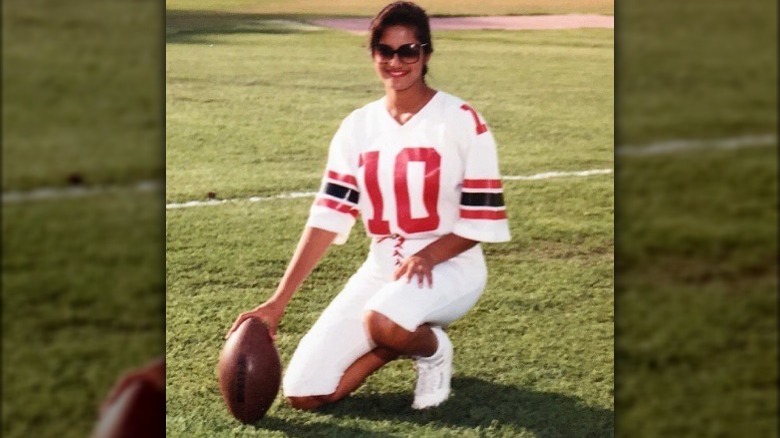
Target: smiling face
395 74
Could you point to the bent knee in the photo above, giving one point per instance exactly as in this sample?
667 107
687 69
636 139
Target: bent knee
385 332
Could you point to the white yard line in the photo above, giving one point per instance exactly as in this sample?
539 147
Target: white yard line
49 193
546 175
211 202
660 148
676 146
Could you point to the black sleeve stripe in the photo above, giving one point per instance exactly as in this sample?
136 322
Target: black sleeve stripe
342 192
482 199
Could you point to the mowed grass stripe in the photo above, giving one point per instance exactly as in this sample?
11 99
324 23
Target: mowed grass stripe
697 294
549 102
83 294
512 378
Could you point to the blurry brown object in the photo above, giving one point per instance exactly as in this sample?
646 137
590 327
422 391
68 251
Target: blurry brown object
75 179
136 406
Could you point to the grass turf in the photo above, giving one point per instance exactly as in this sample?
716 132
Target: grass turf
80 97
696 293
512 376
83 279
83 293
240 117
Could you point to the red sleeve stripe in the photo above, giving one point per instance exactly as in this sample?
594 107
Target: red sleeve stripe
341 208
483 214
481 183
349 179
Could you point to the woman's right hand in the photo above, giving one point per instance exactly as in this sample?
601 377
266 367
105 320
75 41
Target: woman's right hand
269 312
313 244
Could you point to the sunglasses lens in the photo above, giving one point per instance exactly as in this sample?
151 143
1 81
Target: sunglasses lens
383 52
409 53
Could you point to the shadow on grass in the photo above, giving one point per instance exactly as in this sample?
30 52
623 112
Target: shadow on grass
475 403
194 27
307 430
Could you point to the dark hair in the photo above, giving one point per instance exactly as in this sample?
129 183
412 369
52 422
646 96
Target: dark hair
403 14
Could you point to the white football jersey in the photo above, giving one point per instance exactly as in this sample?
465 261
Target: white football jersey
436 174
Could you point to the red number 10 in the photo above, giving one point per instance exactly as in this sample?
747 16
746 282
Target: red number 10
432 160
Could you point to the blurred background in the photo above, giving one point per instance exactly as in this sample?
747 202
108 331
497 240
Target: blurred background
696 218
83 282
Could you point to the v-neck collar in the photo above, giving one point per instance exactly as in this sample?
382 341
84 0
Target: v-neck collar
414 117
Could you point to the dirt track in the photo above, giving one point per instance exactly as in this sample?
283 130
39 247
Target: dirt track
534 22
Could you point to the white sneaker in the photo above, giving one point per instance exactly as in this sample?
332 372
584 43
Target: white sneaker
434 374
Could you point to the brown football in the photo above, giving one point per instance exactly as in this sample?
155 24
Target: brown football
249 371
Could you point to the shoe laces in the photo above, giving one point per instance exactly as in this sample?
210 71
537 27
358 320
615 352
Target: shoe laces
427 377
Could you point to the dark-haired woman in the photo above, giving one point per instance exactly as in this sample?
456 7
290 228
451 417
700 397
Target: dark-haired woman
420 167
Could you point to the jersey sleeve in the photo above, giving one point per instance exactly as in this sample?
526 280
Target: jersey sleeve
335 206
482 210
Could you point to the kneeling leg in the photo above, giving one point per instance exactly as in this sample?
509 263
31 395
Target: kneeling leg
388 334
353 377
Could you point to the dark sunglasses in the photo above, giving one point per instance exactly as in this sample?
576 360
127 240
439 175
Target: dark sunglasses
407 53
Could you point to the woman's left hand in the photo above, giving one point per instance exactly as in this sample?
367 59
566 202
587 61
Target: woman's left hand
417 265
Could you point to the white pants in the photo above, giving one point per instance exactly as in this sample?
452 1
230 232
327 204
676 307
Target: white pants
339 337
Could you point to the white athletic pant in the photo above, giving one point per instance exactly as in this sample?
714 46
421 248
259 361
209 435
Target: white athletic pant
339 337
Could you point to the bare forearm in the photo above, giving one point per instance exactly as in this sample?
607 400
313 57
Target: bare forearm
312 246
446 248
314 243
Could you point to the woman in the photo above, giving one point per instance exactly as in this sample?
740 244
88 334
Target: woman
420 167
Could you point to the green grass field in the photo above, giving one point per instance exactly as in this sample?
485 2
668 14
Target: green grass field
248 117
695 308
250 111
68 71
80 305
83 279
696 292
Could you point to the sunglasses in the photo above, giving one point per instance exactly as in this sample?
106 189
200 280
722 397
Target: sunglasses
407 53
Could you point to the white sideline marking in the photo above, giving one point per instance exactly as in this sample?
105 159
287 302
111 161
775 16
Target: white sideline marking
191 204
47 193
546 175
674 146
661 148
